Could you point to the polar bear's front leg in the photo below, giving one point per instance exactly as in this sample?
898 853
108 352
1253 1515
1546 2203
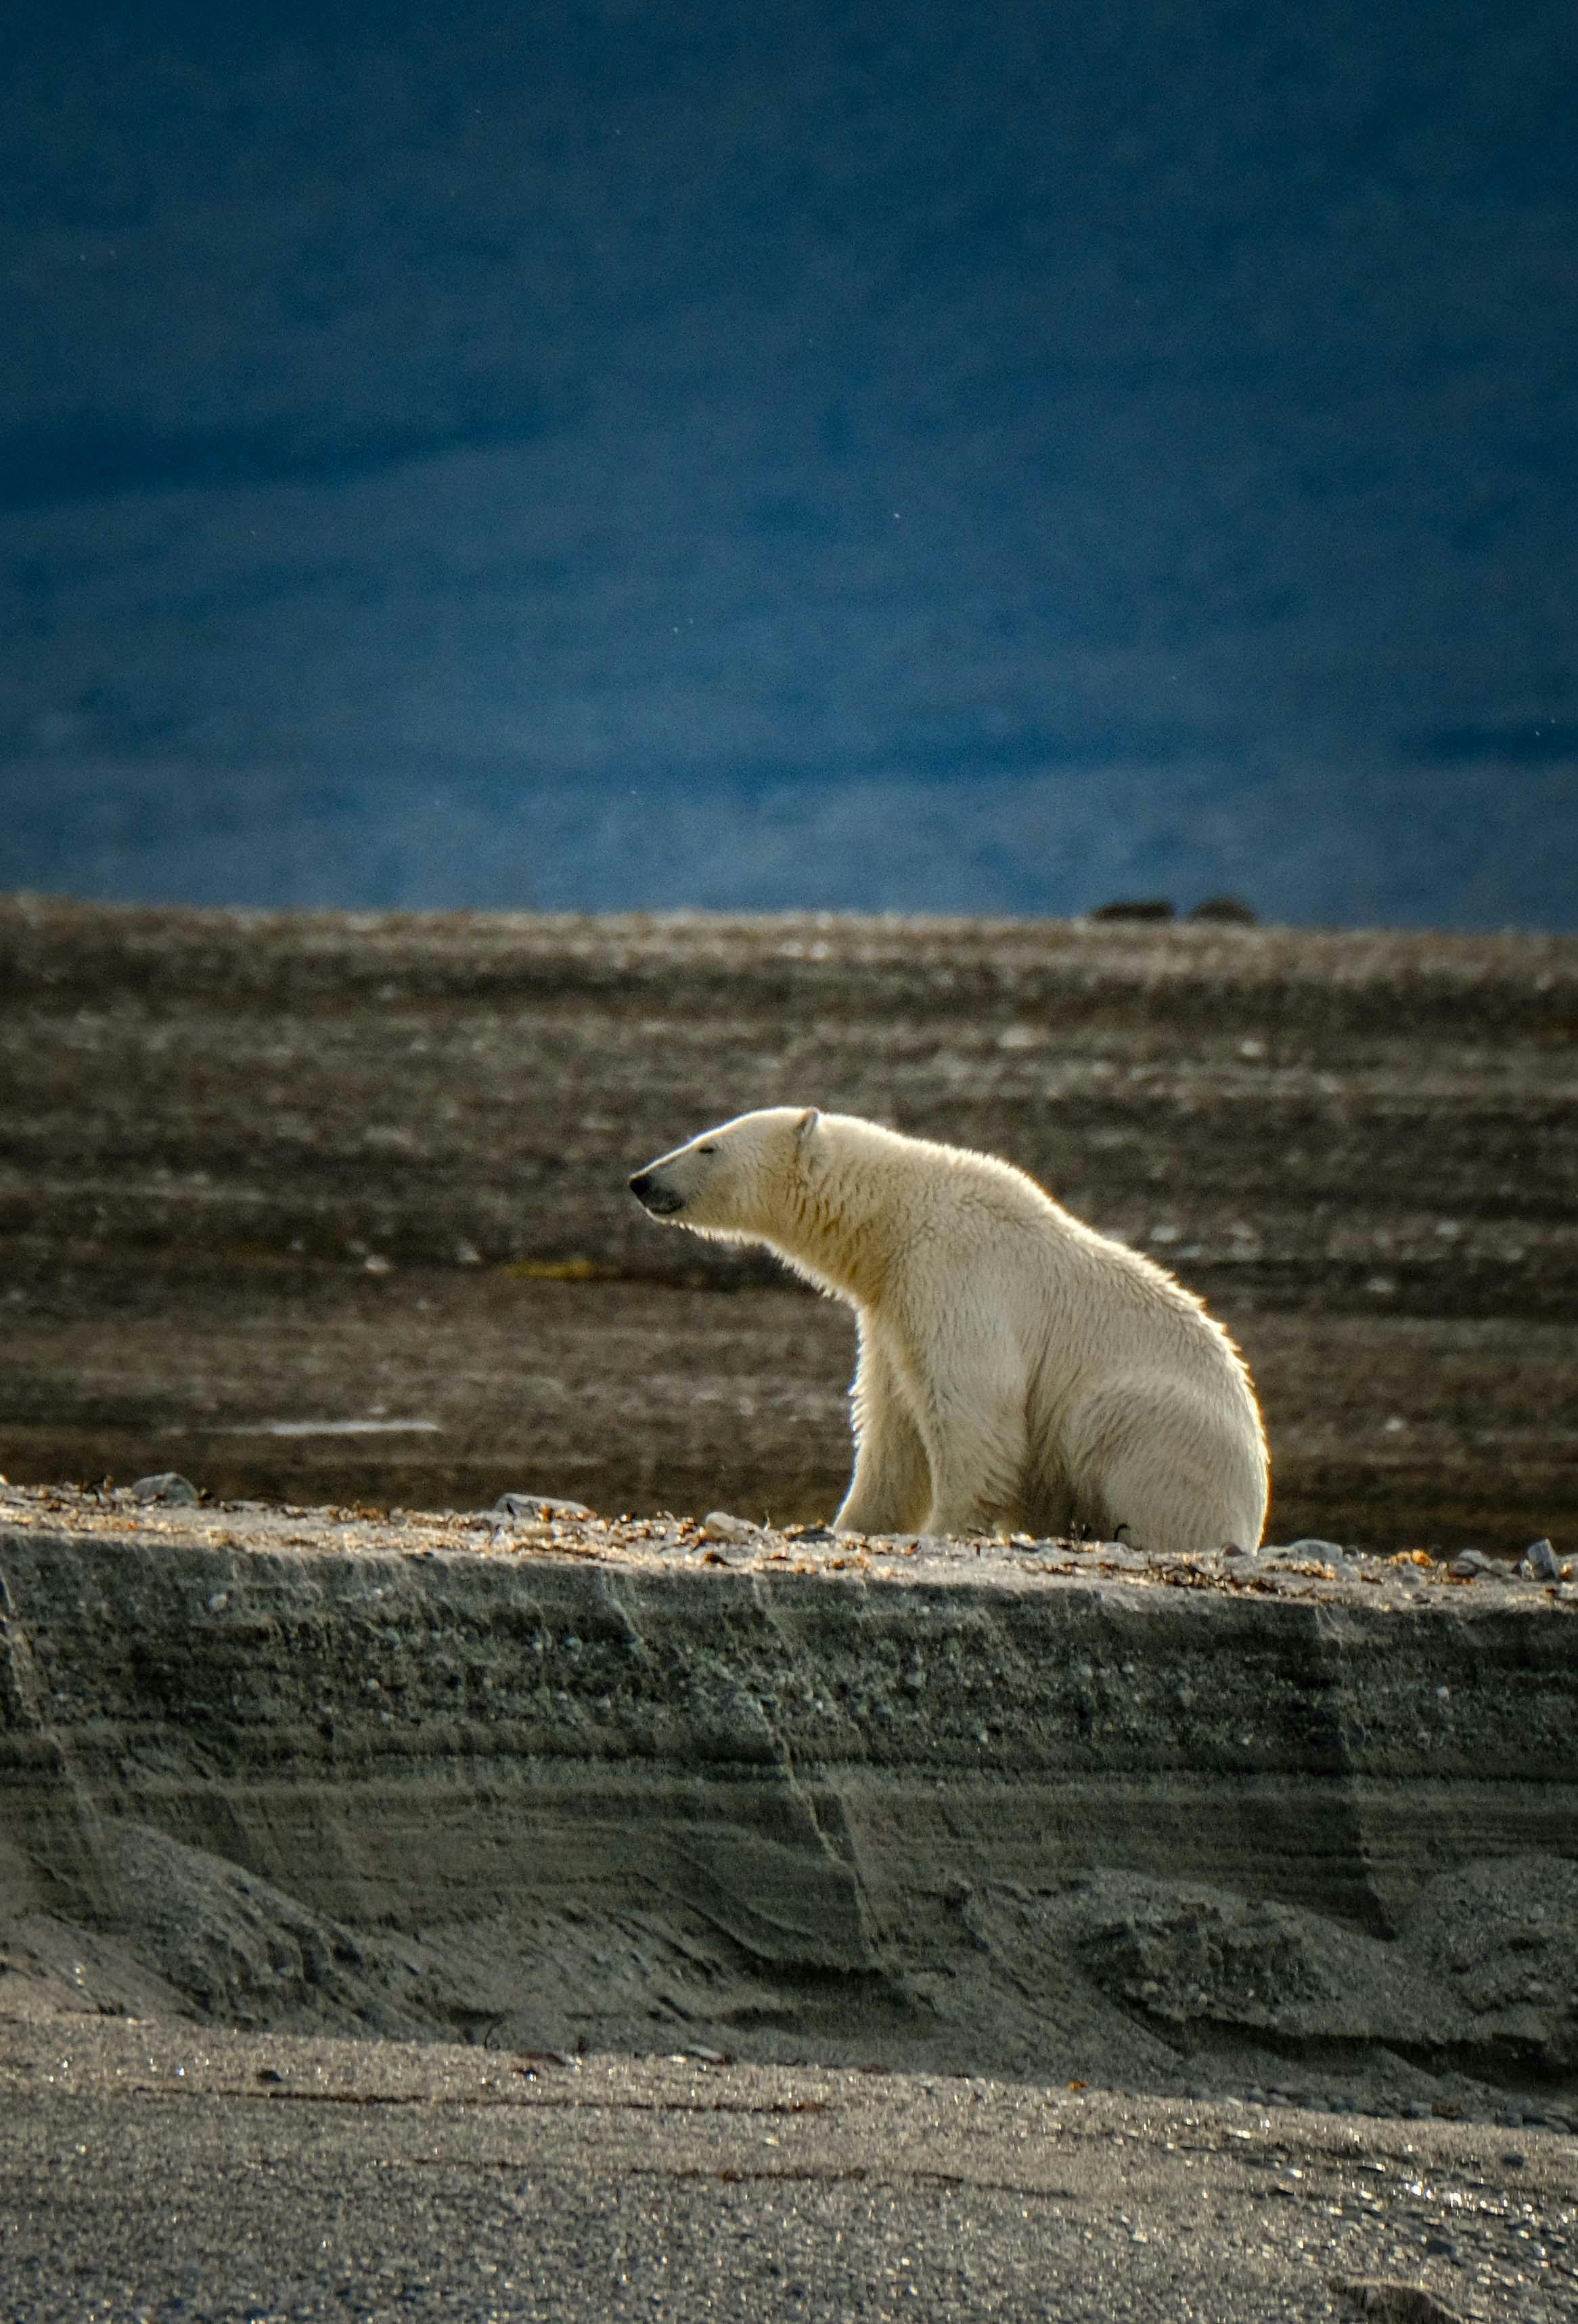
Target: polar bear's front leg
890 1490
973 1424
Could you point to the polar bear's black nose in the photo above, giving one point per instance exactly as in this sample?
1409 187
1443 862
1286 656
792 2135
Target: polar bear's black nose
650 1191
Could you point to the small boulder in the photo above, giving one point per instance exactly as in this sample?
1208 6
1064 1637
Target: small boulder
1140 907
175 1490
1542 1561
537 1505
1231 911
719 1526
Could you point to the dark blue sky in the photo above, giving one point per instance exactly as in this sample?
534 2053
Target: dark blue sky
954 459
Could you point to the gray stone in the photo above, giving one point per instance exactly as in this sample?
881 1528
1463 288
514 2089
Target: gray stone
538 1506
1542 1560
1229 911
719 1526
1147 908
167 1486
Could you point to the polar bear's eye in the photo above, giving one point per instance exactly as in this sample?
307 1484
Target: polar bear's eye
706 1149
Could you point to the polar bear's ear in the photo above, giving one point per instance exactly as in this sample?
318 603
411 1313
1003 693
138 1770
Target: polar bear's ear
806 1125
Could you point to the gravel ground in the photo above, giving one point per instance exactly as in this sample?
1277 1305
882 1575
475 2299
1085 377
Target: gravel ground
153 2173
167 1508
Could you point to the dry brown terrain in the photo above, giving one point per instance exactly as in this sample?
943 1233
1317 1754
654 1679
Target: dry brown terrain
261 1171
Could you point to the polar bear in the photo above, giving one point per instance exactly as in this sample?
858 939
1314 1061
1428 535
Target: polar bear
1017 1370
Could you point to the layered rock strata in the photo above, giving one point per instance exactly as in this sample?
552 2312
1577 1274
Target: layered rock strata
1025 1809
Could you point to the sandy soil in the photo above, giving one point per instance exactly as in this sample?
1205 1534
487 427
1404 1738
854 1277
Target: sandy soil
332 1207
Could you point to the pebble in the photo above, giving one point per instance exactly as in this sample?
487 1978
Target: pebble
1330 1549
719 1526
167 1487
1472 1563
1542 1558
538 1505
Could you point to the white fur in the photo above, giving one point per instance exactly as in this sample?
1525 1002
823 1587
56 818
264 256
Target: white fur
1017 1370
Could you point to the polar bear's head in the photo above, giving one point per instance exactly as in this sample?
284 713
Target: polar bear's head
734 1181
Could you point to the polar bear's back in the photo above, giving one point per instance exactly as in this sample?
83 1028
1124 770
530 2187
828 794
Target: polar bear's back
977 1216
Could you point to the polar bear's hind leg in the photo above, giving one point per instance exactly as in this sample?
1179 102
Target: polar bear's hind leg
1157 1461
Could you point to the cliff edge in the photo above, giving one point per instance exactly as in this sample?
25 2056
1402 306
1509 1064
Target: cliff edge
1034 1810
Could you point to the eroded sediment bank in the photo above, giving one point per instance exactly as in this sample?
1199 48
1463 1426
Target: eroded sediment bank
1030 1811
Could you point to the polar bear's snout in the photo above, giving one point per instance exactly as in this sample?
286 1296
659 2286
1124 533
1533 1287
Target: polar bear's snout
655 1194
